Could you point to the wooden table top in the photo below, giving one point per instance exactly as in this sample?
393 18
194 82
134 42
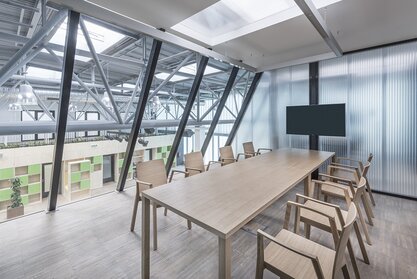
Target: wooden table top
224 199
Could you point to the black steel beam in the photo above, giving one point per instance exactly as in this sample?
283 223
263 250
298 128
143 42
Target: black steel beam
314 100
64 99
187 110
220 107
244 107
140 110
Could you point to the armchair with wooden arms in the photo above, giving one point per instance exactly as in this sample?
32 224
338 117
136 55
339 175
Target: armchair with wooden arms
344 175
227 156
355 164
312 219
194 163
151 174
249 149
290 255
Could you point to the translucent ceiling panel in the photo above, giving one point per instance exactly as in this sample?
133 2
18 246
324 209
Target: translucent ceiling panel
229 19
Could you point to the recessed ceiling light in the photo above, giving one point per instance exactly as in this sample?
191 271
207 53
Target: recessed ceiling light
229 19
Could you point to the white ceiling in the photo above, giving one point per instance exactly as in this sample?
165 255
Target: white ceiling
355 24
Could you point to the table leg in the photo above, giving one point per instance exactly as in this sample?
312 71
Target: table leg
308 191
146 233
225 258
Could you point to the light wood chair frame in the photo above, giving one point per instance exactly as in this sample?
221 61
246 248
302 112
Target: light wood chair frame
223 161
352 184
339 240
154 207
252 152
356 164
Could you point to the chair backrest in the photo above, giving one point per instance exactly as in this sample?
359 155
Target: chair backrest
343 239
370 157
360 189
365 169
152 172
194 160
248 148
226 152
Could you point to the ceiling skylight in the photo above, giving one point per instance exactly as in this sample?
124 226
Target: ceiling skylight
230 19
187 69
102 38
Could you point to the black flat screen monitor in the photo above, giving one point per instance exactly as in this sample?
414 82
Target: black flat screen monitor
321 120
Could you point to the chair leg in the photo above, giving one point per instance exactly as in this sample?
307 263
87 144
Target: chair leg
189 224
363 224
345 272
367 210
307 229
155 229
361 243
368 187
135 211
353 259
326 198
297 221
166 211
368 200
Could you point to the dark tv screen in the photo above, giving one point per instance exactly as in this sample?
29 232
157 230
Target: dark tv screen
321 120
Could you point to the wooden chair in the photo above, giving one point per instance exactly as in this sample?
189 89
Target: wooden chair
353 164
249 149
350 178
194 163
310 218
290 255
227 156
149 175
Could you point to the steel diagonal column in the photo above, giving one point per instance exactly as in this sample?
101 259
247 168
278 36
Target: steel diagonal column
220 107
187 110
100 69
140 110
244 107
64 98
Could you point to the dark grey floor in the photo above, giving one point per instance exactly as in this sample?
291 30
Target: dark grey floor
91 239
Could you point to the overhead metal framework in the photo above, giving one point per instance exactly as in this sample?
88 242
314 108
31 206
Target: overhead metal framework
314 16
64 98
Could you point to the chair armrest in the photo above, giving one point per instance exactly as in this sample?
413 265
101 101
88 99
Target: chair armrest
264 149
179 171
212 162
335 177
344 166
143 182
193 169
297 196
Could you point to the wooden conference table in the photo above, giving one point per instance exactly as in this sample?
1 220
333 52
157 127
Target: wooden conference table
224 199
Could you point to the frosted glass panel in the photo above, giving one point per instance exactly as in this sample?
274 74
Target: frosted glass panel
379 88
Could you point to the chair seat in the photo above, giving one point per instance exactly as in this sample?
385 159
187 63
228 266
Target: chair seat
318 220
334 191
281 260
